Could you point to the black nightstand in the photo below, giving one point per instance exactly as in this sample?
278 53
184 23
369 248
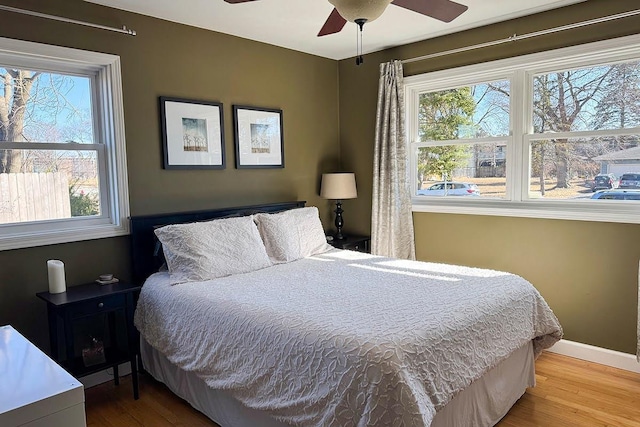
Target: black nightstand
93 300
353 243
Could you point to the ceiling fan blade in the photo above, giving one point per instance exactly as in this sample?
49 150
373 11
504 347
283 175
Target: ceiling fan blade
237 1
442 10
335 23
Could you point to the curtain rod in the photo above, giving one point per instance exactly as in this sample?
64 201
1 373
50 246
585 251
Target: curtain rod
123 30
516 37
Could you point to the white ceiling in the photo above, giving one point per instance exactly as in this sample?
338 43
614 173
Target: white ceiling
294 24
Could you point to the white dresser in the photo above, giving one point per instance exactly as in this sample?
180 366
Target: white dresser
34 390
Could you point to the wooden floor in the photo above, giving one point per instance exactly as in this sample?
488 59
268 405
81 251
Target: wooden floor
569 392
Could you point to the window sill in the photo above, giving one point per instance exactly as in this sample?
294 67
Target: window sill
28 239
573 211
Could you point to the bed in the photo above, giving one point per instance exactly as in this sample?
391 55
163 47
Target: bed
335 338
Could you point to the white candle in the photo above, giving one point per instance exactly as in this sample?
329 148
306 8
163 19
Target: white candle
57 283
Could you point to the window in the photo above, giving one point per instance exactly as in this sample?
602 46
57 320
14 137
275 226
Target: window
62 149
462 135
535 135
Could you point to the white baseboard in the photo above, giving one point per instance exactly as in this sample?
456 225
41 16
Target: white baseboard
599 355
104 376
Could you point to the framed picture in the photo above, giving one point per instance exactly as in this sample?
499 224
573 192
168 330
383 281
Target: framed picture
192 134
258 137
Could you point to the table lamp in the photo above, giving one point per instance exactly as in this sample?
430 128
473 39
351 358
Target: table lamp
338 187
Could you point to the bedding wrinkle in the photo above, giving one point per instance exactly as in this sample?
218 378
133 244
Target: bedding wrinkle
322 341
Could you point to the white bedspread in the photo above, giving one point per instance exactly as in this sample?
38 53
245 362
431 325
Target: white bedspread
344 338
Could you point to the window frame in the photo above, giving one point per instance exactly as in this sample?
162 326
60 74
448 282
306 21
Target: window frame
109 144
520 71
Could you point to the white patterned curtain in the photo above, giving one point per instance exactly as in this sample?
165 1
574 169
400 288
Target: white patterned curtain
391 218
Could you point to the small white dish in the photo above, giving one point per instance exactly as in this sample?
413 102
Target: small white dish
107 282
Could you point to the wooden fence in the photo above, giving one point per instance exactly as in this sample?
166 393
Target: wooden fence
34 197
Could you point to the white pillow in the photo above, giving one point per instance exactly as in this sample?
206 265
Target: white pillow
208 250
293 234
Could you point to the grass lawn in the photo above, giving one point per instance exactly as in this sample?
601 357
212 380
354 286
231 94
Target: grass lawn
495 188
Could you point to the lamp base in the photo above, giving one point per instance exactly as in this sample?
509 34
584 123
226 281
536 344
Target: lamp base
339 221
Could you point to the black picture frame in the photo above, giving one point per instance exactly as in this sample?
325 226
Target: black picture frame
259 137
192 133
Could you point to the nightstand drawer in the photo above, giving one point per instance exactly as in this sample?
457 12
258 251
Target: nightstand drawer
97 305
353 243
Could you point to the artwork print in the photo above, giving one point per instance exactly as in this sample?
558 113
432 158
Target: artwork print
194 134
258 137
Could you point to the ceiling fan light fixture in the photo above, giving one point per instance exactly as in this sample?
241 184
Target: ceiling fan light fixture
360 9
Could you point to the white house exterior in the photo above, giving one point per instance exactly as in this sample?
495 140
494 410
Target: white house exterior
620 162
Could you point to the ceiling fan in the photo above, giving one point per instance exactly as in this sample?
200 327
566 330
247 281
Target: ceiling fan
361 11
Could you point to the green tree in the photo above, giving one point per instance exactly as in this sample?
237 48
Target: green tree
82 204
441 116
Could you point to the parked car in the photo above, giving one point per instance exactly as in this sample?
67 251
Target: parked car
617 194
630 180
605 181
450 189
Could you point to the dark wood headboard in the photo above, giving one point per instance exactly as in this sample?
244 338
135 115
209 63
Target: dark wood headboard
143 240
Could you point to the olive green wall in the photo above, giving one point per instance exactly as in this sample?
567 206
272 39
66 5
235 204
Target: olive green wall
176 60
587 271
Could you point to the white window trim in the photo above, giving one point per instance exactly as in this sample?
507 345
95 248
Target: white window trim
114 221
513 69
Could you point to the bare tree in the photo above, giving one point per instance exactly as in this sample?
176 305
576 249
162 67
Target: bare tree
34 108
13 108
619 105
559 101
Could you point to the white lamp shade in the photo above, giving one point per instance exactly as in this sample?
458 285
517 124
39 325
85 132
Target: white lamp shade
360 9
338 186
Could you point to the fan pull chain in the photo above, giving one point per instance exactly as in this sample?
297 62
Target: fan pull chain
359 58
